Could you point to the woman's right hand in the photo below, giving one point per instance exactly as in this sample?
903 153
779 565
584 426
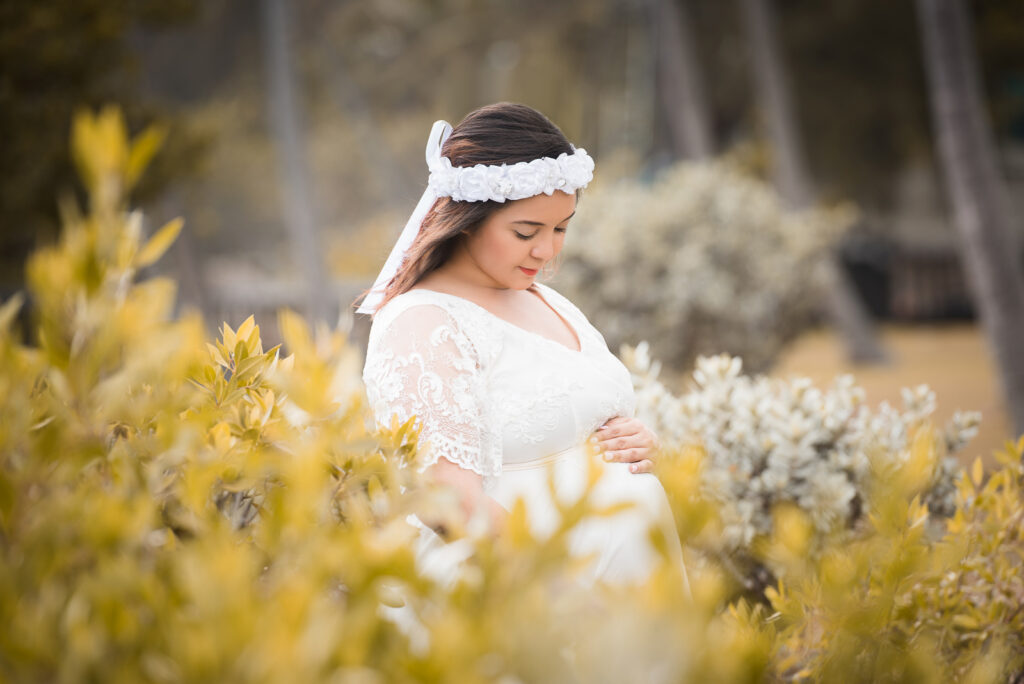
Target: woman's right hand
627 440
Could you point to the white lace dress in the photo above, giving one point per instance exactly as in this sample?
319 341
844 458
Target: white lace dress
506 403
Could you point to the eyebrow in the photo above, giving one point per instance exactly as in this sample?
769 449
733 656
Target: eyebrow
538 223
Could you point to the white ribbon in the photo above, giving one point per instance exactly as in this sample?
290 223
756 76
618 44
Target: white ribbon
438 134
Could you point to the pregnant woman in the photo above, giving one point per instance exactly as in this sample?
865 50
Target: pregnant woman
507 378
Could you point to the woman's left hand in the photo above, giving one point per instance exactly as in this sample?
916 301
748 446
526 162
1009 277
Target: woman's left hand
627 440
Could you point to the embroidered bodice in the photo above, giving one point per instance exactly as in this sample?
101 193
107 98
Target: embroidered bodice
485 391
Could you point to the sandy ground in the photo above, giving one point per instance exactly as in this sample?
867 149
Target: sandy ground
952 359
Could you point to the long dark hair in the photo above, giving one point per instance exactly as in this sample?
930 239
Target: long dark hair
501 133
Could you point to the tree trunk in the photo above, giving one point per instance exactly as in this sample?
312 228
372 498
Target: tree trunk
843 305
978 193
633 126
679 84
285 121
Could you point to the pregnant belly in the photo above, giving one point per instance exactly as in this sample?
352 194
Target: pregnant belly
619 541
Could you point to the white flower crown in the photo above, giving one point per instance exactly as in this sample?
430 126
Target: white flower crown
497 183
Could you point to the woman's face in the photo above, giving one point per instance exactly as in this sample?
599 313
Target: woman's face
513 244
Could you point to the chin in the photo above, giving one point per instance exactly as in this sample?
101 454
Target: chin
525 281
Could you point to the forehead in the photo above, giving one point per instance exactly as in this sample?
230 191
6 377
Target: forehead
545 208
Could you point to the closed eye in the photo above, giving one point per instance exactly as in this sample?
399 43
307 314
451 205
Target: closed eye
527 237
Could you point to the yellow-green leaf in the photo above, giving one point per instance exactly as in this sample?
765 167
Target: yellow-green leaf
246 328
965 622
9 310
976 472
294 331
159 243
143 148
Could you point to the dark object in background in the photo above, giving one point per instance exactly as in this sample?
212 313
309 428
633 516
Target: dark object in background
866 260
908 283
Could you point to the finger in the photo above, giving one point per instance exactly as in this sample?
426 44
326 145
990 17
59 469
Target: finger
644 466
625 427
616 421
641 437
625 455
623 443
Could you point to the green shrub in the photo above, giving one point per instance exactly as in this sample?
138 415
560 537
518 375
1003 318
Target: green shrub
171 512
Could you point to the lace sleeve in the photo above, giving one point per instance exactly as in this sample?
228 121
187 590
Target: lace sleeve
419 362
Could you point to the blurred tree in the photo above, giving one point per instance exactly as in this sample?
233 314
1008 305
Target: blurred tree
775 103
293 169
680 85
976 188
861 93
56 56
789 168
999 34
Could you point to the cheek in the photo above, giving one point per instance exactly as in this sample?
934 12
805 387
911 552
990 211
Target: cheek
509 247
498 249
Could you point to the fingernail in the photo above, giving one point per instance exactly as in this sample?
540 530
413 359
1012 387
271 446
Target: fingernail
607 455
632 468
602 427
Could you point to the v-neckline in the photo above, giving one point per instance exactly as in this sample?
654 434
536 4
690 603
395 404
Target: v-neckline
572 328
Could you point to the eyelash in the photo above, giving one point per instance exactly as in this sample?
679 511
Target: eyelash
527 237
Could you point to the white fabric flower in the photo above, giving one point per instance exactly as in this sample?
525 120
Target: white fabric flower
443 178
523 180
577 169
474 185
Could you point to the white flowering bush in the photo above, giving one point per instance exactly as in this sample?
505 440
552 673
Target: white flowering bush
703 259
770 441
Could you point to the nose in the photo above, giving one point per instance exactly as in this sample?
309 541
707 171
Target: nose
544 249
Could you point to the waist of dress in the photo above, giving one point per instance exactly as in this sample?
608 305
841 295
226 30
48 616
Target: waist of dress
542 461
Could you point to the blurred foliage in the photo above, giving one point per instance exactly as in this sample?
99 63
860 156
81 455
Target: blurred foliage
173 512
359 73
56 56
126 487
360 66
725 267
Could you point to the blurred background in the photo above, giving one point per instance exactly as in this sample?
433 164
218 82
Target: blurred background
818 186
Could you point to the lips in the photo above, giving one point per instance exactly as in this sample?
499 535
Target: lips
528 271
